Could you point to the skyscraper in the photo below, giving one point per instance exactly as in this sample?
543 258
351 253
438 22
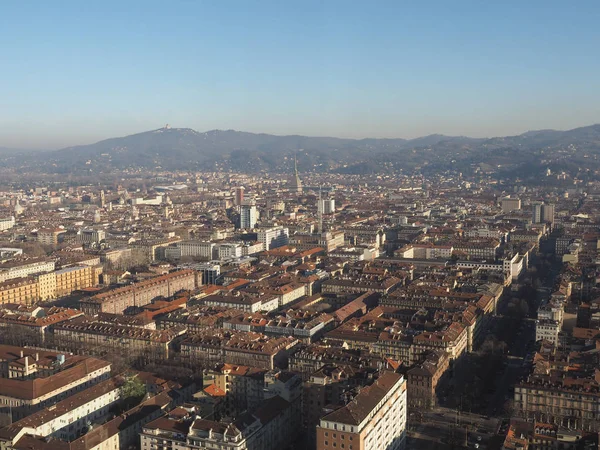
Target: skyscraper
548 213
536 212
239 195
248 216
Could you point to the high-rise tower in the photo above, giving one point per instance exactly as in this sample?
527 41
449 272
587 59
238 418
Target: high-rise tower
296 185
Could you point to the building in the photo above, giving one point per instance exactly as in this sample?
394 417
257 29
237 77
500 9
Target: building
51 236
248 216
326 206
228 250
116 301
24 291
272 426
20 268
510 204
273 237
542 212
243 348
375 419
89 236
32 379
536 212
209 272
6 223
424 378
69 418
296 184
73 278
239 195
98 337
547 329
548 213
196 249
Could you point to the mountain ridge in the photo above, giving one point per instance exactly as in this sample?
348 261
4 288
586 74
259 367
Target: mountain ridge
186 148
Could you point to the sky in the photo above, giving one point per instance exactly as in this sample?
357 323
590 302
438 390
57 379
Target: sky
76 72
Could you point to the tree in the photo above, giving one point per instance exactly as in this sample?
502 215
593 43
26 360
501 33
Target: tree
132 390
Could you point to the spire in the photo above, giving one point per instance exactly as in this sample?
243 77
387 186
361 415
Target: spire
295 165
320 211
296 185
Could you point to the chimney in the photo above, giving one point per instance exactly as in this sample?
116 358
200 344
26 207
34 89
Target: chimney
26 362
21 353
37 356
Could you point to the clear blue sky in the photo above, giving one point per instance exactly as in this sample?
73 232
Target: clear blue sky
76 72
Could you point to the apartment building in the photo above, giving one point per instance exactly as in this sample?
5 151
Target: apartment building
51 236
243 302
72 278
35 318
547 329
117 300
272 426
32 379
100 336
425 251
423 380
68 418
510 204
20 268
375 419
24 291
243 348
452 340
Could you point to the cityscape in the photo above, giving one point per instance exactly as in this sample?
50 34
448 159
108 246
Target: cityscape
256 225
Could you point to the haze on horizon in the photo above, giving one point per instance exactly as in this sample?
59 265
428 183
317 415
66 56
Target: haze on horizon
75 75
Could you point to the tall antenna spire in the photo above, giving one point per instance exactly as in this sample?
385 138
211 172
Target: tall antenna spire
296 183
320 211
296 163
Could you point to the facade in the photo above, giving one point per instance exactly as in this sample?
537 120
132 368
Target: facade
272 426
374 420
6 223
88 236
196 249
33 379
548 213
248 216
510 204
24 291
24 268
73 278
117 300
243 348
547 329
98 337
326 206
273 237
424 378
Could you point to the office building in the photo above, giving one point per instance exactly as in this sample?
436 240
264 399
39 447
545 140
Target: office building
510 204
548 213
248 216
273 237
536 212
326 206
239 195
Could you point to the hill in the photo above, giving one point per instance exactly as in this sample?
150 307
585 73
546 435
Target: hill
184 148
